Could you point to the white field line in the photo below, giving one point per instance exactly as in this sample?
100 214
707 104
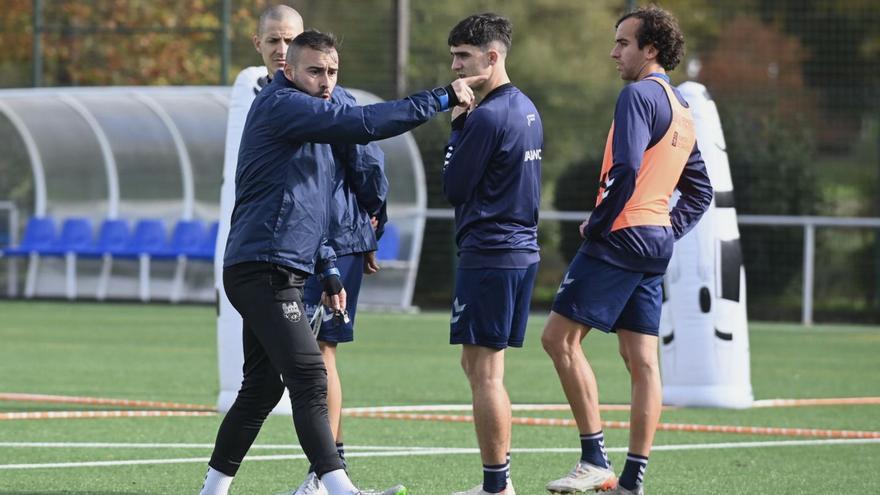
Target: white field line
424 451
467 407
63 399
111 445
833 401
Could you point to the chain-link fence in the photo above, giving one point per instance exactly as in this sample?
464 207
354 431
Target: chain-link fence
796 84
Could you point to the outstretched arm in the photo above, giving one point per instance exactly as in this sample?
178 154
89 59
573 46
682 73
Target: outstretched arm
302 117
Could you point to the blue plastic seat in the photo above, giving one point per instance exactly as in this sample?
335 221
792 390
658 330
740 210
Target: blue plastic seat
148 238
76 234
389 244
187 236
39 234
113 237
204 251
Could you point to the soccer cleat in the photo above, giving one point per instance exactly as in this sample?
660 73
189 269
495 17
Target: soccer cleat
394 490
623 491
311 486
582 478
478 490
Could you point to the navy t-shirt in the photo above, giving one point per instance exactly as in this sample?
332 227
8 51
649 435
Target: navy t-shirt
492 176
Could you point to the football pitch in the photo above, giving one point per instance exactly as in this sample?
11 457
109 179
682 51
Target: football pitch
168 353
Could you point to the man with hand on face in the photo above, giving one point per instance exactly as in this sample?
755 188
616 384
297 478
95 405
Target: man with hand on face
614 281
492 176
278 237
359 190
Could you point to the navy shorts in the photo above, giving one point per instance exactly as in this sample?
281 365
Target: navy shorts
351 271
608 297
491 306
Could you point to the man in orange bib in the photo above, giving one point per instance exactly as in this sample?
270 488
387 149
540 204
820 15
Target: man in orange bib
614 282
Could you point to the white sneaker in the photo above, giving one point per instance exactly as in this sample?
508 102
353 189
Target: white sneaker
583 477
311 486
478 490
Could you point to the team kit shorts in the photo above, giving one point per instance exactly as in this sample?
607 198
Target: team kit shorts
333 329
609 297
491 306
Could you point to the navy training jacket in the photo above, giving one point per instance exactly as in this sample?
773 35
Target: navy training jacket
286 170
360 190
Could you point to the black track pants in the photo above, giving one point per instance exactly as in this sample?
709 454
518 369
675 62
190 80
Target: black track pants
279 352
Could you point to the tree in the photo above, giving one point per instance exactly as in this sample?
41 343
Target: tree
755 75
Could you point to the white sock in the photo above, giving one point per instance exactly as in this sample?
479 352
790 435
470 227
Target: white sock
216 483
338 483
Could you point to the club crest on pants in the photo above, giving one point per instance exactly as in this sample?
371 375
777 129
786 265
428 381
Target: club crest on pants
291 311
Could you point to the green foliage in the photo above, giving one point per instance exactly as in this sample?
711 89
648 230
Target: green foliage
755 74
559 59
576 189
770 158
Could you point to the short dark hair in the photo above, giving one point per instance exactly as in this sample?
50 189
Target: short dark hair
659 28
481 29
312 39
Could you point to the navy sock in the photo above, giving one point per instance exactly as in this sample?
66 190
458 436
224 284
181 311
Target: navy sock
495 477
633 471
593 449
340 449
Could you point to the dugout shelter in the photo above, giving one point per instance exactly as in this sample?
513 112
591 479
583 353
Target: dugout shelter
150 159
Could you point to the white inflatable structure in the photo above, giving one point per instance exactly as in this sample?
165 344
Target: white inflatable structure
704 350
230 356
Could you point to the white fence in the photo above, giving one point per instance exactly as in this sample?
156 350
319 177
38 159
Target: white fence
808 223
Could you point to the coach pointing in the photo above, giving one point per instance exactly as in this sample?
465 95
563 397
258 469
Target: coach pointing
278 237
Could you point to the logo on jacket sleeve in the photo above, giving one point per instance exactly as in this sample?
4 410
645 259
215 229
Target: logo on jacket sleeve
291 311
530 118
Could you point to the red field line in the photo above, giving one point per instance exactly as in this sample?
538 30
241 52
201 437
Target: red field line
100 414
745 430
96 401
